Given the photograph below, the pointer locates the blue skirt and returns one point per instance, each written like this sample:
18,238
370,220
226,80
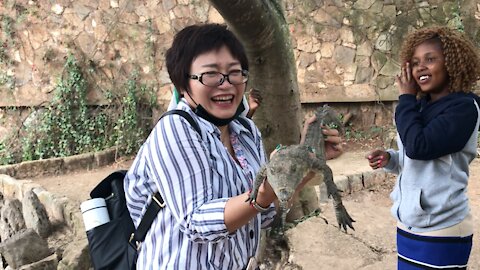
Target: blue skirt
429,252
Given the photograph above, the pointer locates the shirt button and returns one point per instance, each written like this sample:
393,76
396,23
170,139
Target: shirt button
251,234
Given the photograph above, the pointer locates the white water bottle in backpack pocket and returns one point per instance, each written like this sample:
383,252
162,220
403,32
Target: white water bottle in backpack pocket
94,213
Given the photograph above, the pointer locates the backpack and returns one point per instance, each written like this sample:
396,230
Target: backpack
114,245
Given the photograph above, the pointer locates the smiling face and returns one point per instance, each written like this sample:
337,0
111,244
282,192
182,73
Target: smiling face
429,70
220,101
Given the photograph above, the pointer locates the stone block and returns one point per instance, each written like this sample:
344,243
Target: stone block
356,182
35,214
24,248
377,178
31,169
10,186
76,256
53,205
49,263
105,157
11,219
8,170
343,184
79,162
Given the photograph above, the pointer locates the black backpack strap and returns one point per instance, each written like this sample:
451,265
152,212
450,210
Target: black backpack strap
185,115
194,124
245,123
157,202
155,206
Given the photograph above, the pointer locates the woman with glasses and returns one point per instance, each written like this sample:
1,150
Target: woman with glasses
204,178
251,101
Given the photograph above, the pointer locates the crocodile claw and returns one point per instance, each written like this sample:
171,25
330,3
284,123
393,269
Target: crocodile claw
343,218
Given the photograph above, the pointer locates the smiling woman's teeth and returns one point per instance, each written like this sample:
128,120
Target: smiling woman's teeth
423,78
223,99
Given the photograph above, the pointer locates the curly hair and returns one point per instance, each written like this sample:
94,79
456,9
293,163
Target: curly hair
462,59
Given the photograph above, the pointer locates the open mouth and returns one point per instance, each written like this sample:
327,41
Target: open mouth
227,99
424,78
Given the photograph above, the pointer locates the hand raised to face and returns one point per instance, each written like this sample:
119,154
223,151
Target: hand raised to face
406,83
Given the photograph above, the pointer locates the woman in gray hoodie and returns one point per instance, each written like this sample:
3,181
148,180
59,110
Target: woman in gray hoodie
437,119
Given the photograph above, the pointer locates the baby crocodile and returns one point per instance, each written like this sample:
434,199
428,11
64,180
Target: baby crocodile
287,168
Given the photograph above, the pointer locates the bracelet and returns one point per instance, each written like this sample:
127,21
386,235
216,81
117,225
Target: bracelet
257,207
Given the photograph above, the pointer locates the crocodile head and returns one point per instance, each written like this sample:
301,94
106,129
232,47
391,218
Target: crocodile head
287,169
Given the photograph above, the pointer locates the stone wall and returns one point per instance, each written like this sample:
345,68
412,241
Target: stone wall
346,51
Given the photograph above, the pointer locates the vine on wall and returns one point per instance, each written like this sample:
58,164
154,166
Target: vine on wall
69,126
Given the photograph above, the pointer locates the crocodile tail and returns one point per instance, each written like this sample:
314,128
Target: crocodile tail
314,137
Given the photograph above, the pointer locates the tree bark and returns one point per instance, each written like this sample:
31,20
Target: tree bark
262,28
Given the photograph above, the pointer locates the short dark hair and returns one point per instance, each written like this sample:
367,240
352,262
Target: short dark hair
194,40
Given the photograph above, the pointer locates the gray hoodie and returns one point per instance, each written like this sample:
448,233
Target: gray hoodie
437,141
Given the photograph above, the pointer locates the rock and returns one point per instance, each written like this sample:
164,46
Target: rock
11,219
24,248
49,263
76,256
35,214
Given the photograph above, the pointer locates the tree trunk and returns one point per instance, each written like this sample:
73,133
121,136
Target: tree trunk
263,30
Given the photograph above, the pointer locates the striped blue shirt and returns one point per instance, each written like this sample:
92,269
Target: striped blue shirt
195,175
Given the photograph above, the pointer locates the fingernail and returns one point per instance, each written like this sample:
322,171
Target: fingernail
278,147
379,161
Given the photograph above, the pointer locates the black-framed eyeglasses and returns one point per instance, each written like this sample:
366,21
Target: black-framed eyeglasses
214,78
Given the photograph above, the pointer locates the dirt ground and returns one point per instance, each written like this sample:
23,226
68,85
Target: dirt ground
314,244
317,245
77,185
